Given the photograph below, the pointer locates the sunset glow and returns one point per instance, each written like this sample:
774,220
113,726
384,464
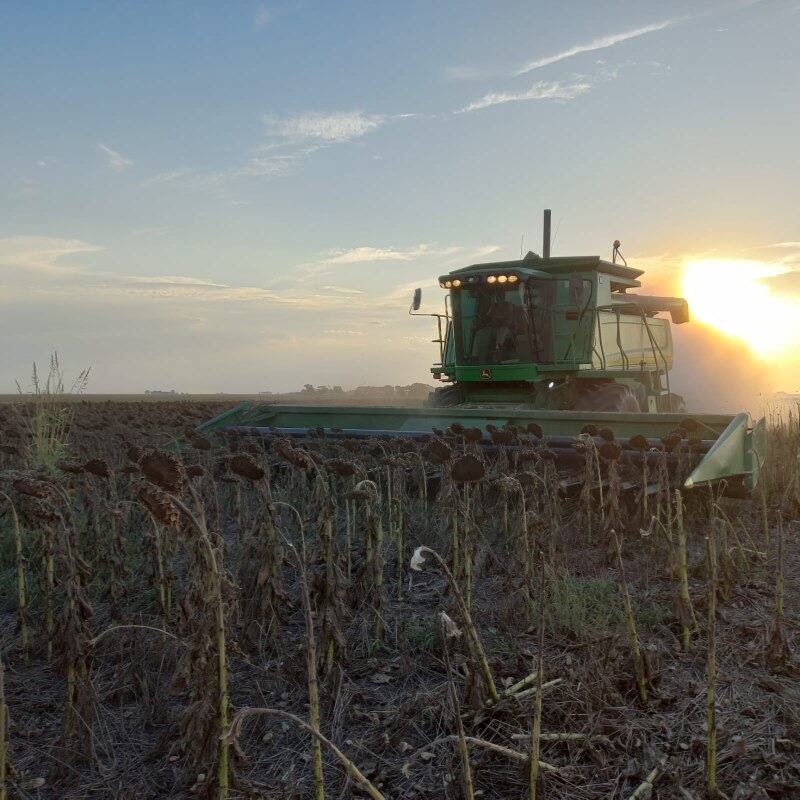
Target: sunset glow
734,296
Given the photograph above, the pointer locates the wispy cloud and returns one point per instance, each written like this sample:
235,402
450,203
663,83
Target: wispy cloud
341,126
114,159
290,142
39,269
371,255
467,72
42,253
542,90
262,18
342,290
601,43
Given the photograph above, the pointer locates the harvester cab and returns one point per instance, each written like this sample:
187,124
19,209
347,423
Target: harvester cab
537,355
556,333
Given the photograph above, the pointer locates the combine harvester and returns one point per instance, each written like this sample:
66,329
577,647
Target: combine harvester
536,352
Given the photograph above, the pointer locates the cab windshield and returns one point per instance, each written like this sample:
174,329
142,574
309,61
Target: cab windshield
506,325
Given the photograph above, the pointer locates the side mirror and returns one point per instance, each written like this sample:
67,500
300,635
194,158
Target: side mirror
680,312
416,301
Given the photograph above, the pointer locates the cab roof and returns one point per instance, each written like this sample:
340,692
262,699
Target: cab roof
556,266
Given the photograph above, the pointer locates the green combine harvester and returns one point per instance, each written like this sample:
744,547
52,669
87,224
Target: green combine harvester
545,349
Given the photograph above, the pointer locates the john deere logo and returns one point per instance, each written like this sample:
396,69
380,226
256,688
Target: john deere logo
486,374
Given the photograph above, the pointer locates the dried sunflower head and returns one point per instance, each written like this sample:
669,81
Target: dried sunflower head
32,488
43,512
639,442
201,443
134,454
194,470
589,429
606,433
473,435
296,457
73,467
158,503
440,451
341,467
535,429
97,467
246,466
467,469
502,436
610,451
164,470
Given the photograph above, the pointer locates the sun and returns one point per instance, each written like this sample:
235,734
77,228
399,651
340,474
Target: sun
733,297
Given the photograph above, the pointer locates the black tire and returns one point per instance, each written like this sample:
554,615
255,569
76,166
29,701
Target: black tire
444,397
609,397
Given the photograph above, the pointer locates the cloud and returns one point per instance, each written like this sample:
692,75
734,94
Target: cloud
600,43
341,126
114,160
291,141
262,18
42,253
37,263
786,283
542,90
173,280
205,333
342,290
371,255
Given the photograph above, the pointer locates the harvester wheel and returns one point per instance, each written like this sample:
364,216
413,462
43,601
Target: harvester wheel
444,397
608,397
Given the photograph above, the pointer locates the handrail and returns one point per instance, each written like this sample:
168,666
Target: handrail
654,345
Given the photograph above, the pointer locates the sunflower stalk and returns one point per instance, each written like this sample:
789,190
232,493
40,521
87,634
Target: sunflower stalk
22,595
630,623
466,618
447,629
684,601
312,678
3,739
712,793
198,523
778,648
536,729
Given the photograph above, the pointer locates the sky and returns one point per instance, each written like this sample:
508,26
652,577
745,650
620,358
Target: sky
241,197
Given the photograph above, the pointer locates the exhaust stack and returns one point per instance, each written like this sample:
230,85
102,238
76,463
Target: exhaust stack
546,236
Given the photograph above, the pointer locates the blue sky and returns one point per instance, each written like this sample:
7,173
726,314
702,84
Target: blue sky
240,196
